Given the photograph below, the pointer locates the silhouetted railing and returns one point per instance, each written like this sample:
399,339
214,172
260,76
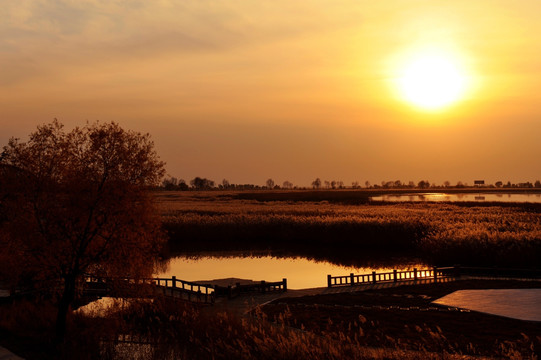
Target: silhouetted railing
431,274
394,276
176,288
170,287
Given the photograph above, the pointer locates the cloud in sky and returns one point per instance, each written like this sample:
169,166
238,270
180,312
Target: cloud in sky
229,82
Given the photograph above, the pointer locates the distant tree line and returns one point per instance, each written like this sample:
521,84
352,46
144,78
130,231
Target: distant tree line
200,183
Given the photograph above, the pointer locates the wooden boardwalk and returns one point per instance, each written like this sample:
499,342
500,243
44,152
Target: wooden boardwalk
241,297
242,305
195,292
169,287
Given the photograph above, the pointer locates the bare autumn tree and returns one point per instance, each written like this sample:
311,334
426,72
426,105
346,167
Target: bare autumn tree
287,185
78,204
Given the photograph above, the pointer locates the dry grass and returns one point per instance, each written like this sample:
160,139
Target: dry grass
189,333
441,234
164,329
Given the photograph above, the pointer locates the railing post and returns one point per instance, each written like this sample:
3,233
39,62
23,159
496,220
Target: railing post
263,286
415,274
329,280
435,269
351,279
173,282
284,281
395,278
373,277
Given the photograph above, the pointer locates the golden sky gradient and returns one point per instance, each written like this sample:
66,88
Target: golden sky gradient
291,90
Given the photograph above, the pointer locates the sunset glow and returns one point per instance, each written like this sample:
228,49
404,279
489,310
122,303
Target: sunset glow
432,82
246,91
269,179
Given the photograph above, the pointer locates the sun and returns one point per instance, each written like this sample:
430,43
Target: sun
432,81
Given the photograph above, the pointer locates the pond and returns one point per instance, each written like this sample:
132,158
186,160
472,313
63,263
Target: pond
473,197
520,304
300,272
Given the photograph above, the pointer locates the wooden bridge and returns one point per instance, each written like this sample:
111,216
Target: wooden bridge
434,274
129,287
174,288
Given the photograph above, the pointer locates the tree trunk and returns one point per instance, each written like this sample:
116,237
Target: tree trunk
64,307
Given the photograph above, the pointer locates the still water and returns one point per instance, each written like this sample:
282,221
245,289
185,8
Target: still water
520,304
301,273
489,197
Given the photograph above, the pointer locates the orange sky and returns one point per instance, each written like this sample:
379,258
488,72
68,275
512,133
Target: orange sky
247,90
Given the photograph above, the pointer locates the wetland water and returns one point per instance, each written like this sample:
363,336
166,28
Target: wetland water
479,197
300,272
520,304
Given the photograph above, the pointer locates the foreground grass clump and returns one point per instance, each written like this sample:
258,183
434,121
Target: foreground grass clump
321,327
437,233
404,317
166,330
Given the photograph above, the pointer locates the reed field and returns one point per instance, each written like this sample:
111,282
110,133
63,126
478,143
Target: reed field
487,234
163,329
341,229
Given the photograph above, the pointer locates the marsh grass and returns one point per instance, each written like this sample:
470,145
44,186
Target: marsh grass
436,233
186,332
165,329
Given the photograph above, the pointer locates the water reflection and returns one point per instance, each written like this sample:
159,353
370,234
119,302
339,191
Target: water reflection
101,306
474,197
300,272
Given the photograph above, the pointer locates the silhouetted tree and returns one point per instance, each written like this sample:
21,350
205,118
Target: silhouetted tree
316,184
446,184
225,184
201,183
287,185
182,185
367,184
498,184
423,184
170,183
269,183
80,205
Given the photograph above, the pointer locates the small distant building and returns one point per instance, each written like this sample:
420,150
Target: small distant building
479,182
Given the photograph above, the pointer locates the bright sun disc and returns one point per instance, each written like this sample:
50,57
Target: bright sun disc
432,82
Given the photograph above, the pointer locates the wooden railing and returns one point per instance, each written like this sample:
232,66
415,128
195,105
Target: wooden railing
394,276
435,273
176,288
171,287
